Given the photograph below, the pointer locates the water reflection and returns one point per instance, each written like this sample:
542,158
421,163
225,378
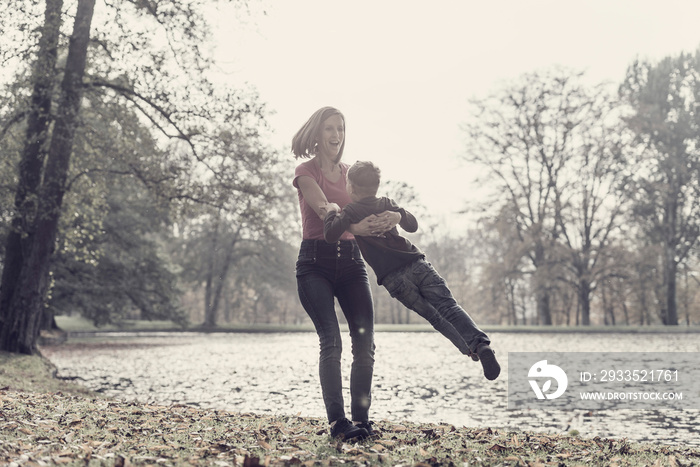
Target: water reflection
418,376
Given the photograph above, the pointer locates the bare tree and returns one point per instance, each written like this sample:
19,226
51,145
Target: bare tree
665,97
526,136
590,199
502,270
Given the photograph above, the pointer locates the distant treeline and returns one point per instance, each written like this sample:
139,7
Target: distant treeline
131,186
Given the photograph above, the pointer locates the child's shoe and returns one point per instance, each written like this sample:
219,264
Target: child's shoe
343,430
487,357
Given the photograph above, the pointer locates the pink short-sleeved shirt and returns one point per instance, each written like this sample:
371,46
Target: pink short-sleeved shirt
312,225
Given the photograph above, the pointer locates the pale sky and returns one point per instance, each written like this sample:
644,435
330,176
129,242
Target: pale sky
402,71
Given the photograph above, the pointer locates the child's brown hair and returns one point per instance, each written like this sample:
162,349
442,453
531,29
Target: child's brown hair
365,178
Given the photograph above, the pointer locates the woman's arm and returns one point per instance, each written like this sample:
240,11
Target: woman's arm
370,226
312,193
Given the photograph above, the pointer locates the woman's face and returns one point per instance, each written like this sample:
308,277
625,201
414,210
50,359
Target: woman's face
331,137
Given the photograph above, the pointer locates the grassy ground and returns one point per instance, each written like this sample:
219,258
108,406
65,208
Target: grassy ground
44,421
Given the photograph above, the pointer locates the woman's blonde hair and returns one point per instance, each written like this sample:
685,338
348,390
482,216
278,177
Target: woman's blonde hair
304,142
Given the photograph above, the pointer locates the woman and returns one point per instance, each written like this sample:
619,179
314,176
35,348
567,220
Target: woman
325,271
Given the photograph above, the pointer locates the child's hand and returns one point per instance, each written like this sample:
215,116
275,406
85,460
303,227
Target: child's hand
326,208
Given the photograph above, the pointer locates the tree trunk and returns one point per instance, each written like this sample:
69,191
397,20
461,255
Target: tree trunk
625,312
604,300
43,75
209,312
584,299
20,331
608,306
686,301
219,287
216,279
510,303
670,314
227,305
544,313
671,267
513,299
643,308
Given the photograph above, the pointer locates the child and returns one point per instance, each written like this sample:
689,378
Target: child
401,267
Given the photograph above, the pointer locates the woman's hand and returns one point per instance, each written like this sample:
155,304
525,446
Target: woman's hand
376,224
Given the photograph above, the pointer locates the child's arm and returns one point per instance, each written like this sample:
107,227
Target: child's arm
334,224
408,221
326,207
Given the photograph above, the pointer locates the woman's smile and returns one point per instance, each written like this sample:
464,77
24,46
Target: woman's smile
332,136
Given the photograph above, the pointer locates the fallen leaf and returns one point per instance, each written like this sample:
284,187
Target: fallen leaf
160,447
515,441
264,445
62,460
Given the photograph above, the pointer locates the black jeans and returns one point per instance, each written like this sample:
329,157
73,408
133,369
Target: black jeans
325,271
420,288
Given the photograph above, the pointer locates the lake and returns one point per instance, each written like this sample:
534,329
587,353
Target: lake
419,376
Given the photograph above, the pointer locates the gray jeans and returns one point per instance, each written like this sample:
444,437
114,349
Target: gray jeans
420,288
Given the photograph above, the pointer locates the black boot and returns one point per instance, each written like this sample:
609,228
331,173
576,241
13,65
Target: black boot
487,357
343,430
367,426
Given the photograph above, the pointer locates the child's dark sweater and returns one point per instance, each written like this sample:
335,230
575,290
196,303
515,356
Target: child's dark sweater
386,254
